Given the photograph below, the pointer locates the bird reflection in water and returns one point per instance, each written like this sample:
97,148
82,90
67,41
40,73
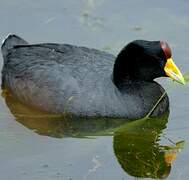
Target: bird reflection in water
138,149
59,125
136,144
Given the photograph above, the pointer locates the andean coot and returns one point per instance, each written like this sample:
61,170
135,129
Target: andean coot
61,78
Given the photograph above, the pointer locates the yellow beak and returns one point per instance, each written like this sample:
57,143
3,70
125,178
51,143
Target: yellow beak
173,72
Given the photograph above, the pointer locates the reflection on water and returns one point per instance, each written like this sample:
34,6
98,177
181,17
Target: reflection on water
60,125
137,149
136,144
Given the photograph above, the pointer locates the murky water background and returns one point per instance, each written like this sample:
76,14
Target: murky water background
25,153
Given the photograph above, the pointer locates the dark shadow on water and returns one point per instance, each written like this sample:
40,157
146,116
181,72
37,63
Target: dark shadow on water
59,126
136,144
138,151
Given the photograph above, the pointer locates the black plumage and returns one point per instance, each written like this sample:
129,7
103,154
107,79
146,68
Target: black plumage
83,81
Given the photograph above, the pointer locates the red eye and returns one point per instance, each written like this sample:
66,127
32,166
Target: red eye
166,49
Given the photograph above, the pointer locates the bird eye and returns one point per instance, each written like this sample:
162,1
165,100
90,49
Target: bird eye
162,63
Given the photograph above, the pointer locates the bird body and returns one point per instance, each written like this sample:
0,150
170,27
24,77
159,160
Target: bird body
61,78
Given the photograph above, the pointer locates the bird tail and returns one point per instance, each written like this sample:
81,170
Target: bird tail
9,42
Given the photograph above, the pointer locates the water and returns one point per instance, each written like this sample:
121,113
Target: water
36,147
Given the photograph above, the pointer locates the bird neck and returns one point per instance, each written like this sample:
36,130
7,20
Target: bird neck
124,70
